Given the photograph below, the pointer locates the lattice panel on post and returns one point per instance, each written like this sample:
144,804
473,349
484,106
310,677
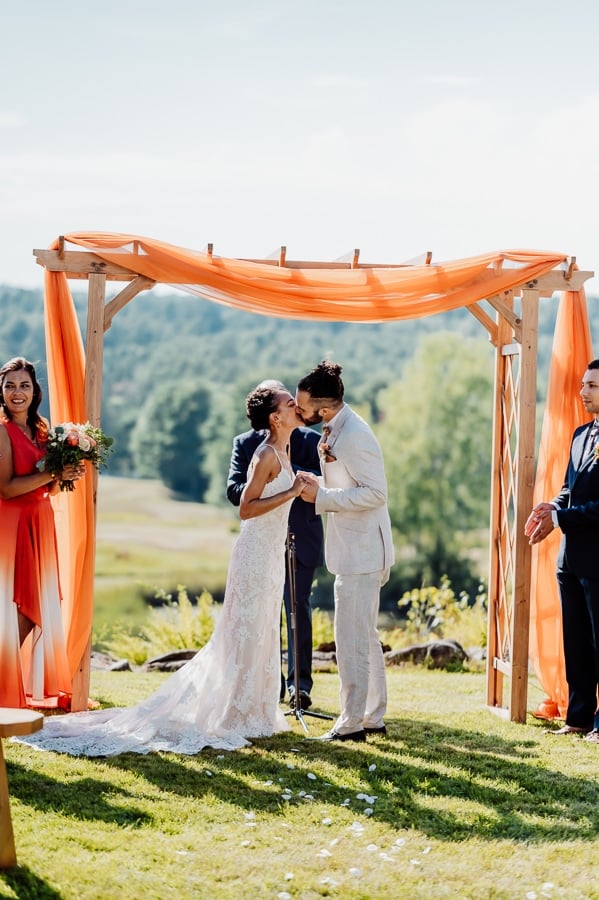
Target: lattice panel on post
503,594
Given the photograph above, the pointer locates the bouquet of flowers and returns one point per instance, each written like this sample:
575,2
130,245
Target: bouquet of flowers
70,443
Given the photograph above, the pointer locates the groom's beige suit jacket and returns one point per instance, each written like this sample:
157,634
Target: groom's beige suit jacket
354,496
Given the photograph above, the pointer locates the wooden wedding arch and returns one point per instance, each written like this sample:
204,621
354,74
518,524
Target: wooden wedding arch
502,290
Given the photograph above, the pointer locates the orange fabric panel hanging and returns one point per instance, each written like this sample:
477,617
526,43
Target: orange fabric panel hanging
572,350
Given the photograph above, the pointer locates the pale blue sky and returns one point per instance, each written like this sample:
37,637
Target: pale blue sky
396,127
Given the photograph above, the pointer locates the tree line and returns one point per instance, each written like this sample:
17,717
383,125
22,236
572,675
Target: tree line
177,369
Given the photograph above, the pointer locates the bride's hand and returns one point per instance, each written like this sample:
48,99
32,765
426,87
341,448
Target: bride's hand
298,484
310,489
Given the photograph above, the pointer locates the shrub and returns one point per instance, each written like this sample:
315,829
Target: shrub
176,625
435,612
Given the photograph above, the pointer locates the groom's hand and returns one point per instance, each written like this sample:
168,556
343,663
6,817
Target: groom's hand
310,487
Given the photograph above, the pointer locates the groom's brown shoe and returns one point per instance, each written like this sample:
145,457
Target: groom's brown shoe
382,729
333,735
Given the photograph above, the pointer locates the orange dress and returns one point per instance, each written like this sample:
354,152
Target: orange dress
36,674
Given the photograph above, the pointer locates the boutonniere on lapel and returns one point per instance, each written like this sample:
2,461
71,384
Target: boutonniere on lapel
596,453
324,448
324,451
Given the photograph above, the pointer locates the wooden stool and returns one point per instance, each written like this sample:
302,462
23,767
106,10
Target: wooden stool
12,722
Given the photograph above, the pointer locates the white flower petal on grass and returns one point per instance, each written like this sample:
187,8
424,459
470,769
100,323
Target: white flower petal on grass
415,862
368,811
182,852
334,842
311,776
251,824
327,821
208,773
250,815
372,847
372,767
356,827
324,853
355,872
346,802
531,895
427,849
222,756
267,783
308,797
547,886
360,796
290,766
289,876
285,796
245,843
400,842
283,895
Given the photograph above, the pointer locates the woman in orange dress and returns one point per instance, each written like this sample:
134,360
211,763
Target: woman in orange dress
33,663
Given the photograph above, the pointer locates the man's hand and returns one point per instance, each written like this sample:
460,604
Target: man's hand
310,487
539,523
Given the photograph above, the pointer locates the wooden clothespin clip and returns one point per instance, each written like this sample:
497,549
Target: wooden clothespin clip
429,257
354,263
61,246
571,264
282,256
209,251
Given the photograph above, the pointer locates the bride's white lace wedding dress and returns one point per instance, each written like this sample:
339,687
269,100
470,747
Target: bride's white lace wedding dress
229,691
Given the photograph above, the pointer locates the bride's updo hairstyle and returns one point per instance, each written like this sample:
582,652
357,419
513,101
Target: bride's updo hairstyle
259,404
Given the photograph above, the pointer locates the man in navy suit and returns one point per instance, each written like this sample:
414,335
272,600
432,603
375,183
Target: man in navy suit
308,531
576,511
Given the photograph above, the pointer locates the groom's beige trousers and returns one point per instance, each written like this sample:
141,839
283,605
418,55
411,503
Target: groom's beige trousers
363,693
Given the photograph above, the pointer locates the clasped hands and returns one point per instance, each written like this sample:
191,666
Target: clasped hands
539,523
305,485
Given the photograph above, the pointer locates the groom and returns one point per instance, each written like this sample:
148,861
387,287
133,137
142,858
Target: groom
358,546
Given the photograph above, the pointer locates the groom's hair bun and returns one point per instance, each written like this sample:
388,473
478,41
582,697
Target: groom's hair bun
324,382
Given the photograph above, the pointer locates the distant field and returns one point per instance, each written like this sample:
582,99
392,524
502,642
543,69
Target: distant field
146,540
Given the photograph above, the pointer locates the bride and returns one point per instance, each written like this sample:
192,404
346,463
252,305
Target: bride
229,691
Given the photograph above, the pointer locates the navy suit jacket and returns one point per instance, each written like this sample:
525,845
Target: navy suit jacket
578,511
303,520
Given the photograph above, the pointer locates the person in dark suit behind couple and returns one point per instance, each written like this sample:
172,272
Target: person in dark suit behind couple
576,511
308,531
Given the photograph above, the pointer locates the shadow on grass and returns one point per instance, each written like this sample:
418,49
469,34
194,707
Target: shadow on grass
454,784
25,885
448,782
81,798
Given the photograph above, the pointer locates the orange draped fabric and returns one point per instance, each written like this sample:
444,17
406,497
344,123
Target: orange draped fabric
73,510
572,350
347,295
363,294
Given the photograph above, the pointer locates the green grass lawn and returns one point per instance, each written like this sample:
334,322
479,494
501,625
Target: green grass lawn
455,803
146,540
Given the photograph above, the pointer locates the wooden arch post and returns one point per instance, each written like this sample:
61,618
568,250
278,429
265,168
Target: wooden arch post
514,335
82,265
512,485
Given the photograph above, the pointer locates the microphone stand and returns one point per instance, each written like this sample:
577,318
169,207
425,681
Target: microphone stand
297,711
